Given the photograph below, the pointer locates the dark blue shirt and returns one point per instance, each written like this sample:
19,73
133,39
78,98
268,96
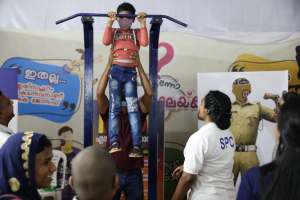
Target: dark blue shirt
249,188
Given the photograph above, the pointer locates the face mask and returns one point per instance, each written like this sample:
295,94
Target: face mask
125,22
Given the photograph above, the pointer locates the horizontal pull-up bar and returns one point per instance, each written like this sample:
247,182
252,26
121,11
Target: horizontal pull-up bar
119,15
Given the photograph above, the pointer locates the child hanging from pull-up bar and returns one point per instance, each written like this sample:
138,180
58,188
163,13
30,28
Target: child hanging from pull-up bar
122,76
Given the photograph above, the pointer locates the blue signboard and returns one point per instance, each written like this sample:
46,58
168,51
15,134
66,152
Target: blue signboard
46,90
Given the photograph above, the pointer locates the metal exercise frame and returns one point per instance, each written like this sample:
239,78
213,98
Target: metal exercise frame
156,21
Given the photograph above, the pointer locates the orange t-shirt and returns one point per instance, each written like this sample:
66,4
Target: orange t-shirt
124,43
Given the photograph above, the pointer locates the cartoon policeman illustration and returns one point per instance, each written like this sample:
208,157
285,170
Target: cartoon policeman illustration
245,120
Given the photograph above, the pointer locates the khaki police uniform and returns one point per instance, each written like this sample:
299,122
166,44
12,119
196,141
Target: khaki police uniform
244,125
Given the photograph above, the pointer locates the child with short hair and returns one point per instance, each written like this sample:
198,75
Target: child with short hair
126,42
94,174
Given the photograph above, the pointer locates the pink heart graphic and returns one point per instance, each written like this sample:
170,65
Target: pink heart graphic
166,59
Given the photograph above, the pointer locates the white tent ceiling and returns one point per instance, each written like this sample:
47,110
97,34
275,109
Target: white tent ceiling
236,21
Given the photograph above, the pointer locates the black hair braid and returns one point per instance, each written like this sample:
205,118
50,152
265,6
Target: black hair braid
216,105
219,106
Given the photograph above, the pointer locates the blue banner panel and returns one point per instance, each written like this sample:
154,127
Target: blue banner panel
9,82
47,91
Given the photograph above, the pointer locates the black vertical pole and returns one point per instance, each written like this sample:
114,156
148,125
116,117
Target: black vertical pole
88,79
153,56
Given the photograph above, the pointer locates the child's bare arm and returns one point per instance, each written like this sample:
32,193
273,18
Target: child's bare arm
109,33
141,18
143,34
111,19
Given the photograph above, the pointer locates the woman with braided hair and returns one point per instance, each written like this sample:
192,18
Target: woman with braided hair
207,169
279,179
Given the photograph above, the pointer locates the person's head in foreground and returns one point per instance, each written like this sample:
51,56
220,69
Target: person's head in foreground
25,165
280,179
6,109
216,107
279,103
285,96
94,174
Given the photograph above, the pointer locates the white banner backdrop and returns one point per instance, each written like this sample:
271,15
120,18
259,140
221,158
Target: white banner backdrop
181,56
235,21
275,83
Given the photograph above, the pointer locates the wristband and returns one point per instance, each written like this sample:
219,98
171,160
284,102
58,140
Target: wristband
275,98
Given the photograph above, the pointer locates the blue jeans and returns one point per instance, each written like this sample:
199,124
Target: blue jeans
131,182
119,78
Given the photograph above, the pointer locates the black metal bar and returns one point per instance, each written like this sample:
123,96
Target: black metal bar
119,15
88,79
153,72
